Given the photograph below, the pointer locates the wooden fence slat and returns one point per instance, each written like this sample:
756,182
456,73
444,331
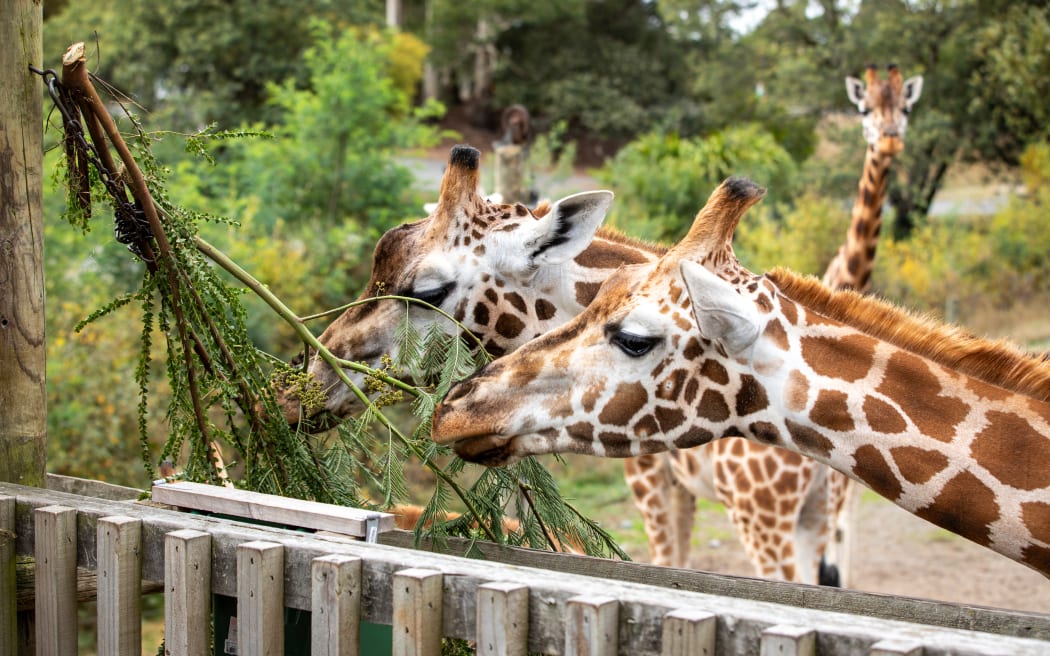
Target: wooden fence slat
55,546
8,585
260,598
418,615
689,632
785,640
335,611
119,572
187,592
592,626
502,619
892,647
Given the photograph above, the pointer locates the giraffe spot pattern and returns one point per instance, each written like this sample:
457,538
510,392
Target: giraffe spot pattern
515,299
808,440
609,256
695,436
481,314
765,432
775,332
764,304
934,415
590,397
882,416
1036,556
996,448
714,371
789,311
831,411
671,387
871,467
964,491
751,397
796,391
918,465
1036,516
646,426
582,431
669,419
509,326
628,399
692,349
713,406
492,296
544,309
586,291
846,358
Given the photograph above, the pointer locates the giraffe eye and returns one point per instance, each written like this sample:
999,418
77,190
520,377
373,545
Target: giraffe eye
633,345
435,296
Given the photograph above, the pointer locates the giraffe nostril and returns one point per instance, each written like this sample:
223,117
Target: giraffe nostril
459,390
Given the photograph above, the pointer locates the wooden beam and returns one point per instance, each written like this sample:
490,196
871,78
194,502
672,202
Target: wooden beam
23,398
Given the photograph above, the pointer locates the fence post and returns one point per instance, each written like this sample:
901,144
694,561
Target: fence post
23,421
592,627
335,608
784,640
187,592
689,632
260,598
418,612
119,571
502,619
8,585
55,547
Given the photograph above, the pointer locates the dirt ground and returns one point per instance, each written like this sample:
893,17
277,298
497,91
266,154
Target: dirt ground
898,553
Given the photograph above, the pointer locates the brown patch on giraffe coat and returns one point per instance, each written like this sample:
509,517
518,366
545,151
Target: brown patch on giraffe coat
544,309
775,332
515,299
809,440
669,418
590,397
788,310
918,465
609,255
582,431
882,416
713,406
586,291
751,397
765,432
909,382
628,399
509,326
986,391
1036,516
481,314
646,426
671,387
492,296
796,391
714,371
965,506
998,445
831,411
847,358
1036,556
754,467
786,483
872,468
695,436
479,250
764,304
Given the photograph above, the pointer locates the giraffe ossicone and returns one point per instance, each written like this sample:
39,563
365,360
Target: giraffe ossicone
695,347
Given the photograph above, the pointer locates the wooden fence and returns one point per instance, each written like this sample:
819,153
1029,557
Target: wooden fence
505,608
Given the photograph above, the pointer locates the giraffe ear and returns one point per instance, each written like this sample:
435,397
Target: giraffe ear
567,229
912,90
855,91
722,314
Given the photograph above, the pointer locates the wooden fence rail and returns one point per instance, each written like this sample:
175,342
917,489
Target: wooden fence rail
423,596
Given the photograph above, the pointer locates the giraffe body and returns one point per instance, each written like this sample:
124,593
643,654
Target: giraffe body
477,261
694,348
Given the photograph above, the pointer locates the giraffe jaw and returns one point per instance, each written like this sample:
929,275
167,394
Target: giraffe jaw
487,450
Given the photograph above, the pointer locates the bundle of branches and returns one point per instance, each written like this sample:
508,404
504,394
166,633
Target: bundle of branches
222,385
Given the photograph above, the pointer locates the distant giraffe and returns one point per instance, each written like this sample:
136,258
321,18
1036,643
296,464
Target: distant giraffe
510,274
695,347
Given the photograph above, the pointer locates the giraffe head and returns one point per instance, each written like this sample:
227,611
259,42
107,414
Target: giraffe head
885,105
632,374
494,267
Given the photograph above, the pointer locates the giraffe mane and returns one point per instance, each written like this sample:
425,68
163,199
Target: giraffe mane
997,362
614,235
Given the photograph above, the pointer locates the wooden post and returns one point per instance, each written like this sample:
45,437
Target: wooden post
187,592
510,173
119,571
23,400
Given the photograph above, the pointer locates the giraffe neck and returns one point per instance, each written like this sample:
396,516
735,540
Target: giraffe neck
852,266
947,446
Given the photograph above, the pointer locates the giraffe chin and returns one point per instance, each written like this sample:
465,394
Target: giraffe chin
487,450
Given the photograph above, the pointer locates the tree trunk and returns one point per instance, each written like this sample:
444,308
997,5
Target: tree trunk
23,400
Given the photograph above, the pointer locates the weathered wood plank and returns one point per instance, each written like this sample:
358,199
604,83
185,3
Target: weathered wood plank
335,620
642,607
260,590
785,640
592,626
119,574
91,488
689,632
187,593
502,623
56,580
270,508
8,582
417,612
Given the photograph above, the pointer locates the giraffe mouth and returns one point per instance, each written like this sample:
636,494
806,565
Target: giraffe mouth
487,450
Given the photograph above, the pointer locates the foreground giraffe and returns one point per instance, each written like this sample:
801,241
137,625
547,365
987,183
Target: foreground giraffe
508,276
952,428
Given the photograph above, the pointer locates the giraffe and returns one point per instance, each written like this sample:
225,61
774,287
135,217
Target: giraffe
694,347
885,106
508,275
